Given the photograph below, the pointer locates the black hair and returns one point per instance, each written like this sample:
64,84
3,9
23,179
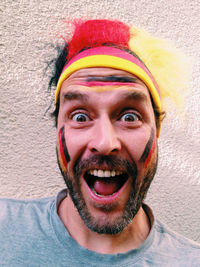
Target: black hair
58,65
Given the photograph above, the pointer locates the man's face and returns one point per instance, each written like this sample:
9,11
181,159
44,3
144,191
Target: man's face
106,145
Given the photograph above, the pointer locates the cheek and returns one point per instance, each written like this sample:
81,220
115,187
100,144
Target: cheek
150,150
63,154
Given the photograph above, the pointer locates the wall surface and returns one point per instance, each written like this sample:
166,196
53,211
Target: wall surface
28,167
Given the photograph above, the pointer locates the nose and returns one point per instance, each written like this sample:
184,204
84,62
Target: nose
104,138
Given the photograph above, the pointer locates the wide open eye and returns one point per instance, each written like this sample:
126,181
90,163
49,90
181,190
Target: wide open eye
130,117
80,117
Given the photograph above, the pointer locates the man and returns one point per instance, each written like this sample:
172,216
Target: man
108,109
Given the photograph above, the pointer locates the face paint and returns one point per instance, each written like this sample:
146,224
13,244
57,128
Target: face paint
64,157
112,78
99,83
99,86
149,149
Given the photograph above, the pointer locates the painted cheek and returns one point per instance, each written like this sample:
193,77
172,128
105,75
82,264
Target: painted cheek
63,154
149,149
151,154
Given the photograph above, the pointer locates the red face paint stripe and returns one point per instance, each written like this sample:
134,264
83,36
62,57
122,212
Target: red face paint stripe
96,83
150,152
62,166
61,149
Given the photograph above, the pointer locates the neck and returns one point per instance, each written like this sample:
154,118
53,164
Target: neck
131,237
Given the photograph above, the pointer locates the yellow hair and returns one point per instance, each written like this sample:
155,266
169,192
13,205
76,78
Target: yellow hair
167,64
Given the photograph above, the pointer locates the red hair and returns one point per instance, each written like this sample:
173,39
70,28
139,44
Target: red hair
94,33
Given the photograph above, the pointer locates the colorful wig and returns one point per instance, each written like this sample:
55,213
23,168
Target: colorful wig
105,43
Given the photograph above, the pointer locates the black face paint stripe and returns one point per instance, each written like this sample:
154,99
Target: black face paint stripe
64,144
112,78
147,147
59,163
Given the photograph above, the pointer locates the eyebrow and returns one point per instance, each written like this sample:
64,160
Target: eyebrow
139,96
112,78
136,96
75,96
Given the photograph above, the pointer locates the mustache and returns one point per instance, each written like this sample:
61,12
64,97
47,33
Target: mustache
109,161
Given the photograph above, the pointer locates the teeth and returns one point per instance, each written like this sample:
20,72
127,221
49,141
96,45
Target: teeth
95,172
104,173
107,174
100,173
113,173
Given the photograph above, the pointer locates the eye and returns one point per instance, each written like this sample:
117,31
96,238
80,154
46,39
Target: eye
130,117
80,117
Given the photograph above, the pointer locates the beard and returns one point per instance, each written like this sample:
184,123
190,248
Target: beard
134,202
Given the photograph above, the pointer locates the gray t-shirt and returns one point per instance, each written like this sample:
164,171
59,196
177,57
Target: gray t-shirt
32,234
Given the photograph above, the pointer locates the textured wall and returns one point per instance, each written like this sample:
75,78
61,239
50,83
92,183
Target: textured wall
28,165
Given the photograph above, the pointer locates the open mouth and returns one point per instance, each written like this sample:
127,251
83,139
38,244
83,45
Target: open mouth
105,182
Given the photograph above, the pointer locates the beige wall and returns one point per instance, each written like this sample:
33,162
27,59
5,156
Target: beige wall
28,165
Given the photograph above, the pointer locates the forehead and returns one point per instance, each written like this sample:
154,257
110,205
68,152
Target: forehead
103,79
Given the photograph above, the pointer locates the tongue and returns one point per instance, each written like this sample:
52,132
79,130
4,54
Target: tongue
105,188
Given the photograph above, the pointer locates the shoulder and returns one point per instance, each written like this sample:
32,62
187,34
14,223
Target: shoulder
26,231
176,246
174,237
13,210
10,202
21,220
